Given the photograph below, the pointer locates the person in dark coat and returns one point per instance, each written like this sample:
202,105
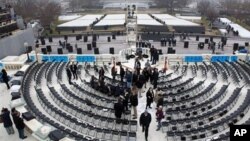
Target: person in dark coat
119,109
118,91
159,101
73,69
69,75
19,123
113,72
134,100
150,97
145,120
155,77
152,52
138,66
122,73
92,81
134,78
5,78
7,123
126,98
139,84
145,73
154,56
159,116
101,72
128,78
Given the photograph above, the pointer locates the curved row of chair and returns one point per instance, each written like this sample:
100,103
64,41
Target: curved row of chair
215,127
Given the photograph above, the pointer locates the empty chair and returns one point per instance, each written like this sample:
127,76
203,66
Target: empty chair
133,126
132,136
123,136
107,134
115,135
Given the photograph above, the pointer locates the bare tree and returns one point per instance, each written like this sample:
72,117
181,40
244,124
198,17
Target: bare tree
48,12
74,4
212,14
203,6
171,5
44,10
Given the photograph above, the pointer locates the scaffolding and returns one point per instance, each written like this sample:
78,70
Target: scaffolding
131,26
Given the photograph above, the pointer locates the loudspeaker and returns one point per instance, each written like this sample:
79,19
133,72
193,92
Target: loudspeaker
94,44
186,43
197,38
236,46
79,51
246,44
89,47
60,51
206,41
96,51
65,37
85,38
50,39
70,49
111,50
159,51
44,50
94,38
113,37
143,44
171,51
109,39
43,42
211,39
49,49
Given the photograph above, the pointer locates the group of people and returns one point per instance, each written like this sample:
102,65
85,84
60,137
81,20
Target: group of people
8,124
136,82
169,41
71,70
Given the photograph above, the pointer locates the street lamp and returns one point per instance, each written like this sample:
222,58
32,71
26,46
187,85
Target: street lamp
26,45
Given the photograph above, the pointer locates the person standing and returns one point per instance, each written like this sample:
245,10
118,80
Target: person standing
113,72
155,55
5,78
145,120
128,78
69,75
147,64
146,76
152,52
7,123
122,73
159,116
137,66
155,77
101,72
134,100
73,69
157,94
19,123
119,109
150,97
139,84
126,98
